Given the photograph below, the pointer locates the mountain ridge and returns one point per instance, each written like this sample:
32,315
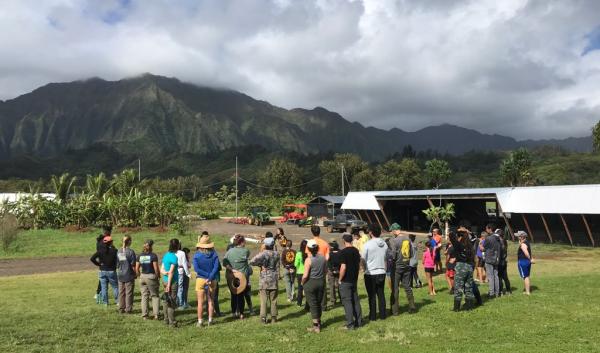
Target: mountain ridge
152,115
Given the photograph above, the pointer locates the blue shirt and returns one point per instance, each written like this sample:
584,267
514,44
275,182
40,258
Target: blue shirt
170,259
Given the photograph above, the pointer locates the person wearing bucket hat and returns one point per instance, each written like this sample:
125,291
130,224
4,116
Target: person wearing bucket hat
206,265
268,260
238,272
525,259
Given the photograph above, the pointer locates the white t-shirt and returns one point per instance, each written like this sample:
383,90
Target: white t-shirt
183,264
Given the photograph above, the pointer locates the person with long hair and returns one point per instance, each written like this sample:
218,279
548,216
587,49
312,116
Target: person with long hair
236,259
183,277
463,277
206,265
170,280
414,263
126,275
105,258
146,268
429,265
313,280
503,268
106,231
299,265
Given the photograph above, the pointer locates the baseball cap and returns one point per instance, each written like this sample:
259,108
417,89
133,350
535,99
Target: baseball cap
395,226
269,241
311,244
521,234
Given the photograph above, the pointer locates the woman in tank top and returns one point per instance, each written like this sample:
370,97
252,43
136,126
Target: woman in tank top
315,269
525,259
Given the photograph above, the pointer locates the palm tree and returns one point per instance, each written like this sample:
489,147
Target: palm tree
97,185
62,186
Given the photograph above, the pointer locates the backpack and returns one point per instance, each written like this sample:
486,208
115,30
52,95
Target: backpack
492,250
405,252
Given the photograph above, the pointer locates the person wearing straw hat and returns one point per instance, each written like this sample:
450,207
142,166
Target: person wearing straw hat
206,265
238,272
268,261
525,259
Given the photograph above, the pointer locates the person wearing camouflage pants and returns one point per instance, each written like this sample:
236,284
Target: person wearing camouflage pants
268,261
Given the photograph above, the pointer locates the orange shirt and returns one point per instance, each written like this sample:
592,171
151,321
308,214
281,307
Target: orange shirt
437,238
323,247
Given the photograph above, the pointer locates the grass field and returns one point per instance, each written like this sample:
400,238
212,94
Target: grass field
58,242
56,313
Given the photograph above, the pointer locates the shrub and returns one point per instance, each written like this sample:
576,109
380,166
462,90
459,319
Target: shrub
8,230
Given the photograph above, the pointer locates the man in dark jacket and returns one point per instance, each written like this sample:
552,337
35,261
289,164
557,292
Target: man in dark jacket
333,272
401,251
106,259
493,250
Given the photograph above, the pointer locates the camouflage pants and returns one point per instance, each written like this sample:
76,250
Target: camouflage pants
463,281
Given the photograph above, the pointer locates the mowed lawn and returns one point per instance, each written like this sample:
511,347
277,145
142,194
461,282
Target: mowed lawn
56,313
58,242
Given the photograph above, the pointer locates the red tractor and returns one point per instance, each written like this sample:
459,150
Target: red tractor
293,213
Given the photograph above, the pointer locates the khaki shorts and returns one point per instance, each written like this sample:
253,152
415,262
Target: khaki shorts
201,285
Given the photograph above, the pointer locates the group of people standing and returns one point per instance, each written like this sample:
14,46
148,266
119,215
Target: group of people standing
307,273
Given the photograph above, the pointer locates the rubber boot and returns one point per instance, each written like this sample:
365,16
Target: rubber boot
469,304
411,304
456,305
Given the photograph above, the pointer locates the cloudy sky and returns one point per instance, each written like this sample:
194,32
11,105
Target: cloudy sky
527,69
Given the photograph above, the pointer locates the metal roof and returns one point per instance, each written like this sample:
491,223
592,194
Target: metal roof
330,199
568,199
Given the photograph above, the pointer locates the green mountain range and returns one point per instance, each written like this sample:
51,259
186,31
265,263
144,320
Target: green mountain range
84,125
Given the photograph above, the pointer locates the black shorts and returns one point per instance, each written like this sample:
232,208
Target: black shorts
480,262
429,270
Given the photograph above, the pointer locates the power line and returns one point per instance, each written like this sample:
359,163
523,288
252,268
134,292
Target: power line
286,187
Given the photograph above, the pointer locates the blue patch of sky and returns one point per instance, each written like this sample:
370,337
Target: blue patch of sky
593,41
117,14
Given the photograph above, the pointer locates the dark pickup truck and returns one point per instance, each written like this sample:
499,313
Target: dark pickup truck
344,223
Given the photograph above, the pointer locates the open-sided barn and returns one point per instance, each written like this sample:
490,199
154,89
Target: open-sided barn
563,214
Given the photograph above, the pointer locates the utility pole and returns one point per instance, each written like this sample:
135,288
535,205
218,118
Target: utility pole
236,187
139,170
343,180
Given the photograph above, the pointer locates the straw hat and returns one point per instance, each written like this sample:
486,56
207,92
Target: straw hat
204,242
236,281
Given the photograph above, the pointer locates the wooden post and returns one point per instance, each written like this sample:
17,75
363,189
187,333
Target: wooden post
589,231
512,233
383,213
378,221
566,228
359,216
547,229
369,217
527,226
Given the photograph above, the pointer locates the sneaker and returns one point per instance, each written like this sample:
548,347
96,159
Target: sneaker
199,324
264,320
209,322
273,320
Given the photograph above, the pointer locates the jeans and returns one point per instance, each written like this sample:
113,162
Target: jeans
300,294
493,280
288,279
414,277
183,285
351,302
105,278
375,285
